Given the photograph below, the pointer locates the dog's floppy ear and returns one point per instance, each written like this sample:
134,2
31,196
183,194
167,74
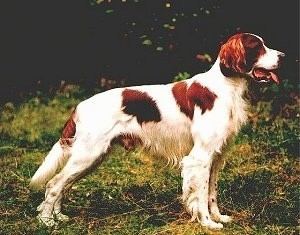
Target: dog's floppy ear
232,56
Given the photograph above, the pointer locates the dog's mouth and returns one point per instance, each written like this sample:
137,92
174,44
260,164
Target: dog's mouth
265,75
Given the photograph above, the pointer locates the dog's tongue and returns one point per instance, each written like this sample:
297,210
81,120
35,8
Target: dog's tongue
274,77
263,74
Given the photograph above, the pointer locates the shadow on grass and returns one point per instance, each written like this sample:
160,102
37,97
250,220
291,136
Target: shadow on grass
157,207
270,199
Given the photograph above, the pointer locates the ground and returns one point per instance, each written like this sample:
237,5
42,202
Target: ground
131,193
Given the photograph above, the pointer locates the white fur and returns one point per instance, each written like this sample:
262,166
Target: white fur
195,143
270,59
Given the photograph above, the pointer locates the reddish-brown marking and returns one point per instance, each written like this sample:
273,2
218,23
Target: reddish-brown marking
140,105
128,141
240,53
196,94
254,48
69,130
201,96
179,91
232,54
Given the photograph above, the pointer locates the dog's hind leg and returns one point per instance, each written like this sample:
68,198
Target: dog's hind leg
57,208
83,157
58,215
217,164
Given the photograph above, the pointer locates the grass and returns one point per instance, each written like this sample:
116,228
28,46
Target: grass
133,194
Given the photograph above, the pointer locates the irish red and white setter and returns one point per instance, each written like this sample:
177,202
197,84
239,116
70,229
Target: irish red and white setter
186,122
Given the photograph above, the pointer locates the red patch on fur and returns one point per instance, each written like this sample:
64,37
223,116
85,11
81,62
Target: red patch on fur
128,141
140,105
201,96
232,54
69,130
196,94
240,53
179,91
254,48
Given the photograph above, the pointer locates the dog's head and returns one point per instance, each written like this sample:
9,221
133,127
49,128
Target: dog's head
246,53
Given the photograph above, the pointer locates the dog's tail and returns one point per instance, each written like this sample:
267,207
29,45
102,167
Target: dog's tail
55,159
58,155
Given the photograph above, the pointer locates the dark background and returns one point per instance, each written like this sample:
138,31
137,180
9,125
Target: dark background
44,42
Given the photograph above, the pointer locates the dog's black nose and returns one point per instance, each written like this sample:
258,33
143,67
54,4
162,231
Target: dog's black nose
281,54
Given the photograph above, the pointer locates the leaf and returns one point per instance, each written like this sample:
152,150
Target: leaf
147,42
109,11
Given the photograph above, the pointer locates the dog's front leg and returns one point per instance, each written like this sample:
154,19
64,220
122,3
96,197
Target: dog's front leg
217,164
195,173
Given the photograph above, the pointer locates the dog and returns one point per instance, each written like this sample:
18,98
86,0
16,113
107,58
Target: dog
186,122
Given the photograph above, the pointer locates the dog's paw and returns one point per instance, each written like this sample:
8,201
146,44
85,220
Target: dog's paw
211,224
222,218
48,221
225,219
61,217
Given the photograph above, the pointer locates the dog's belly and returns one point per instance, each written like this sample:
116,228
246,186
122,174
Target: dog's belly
167,140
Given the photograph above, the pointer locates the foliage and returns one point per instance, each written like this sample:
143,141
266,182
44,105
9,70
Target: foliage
139,42
181,76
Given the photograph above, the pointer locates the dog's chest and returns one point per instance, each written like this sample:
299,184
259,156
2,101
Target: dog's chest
238,112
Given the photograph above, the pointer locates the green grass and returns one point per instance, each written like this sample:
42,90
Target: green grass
131,193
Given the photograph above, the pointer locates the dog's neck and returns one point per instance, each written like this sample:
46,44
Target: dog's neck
217,79
233,89
236,80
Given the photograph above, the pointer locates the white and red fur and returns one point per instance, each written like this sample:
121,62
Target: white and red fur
186,122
